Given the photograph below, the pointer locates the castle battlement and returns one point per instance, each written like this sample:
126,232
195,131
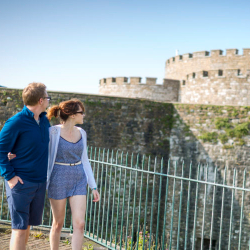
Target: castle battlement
208,54
204,77
179,66
132,87
212,74
129,81
229,87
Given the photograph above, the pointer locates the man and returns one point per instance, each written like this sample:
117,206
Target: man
26,135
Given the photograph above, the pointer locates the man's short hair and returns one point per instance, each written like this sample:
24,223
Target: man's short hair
33,92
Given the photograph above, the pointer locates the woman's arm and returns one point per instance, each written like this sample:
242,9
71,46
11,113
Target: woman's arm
88,169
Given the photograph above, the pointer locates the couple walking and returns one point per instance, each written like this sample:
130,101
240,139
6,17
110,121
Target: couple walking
45,157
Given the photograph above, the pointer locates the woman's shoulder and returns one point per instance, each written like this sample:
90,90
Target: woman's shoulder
81,130
54,129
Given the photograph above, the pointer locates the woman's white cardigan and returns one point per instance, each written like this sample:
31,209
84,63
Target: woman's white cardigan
54,134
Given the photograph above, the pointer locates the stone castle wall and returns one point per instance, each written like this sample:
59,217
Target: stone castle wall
145,126
120,86
228,89
115,123
201,77
180,66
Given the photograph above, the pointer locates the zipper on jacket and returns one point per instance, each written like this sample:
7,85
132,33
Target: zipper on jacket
40,128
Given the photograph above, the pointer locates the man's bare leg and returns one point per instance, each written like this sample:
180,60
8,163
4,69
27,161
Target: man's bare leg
27,235
17,241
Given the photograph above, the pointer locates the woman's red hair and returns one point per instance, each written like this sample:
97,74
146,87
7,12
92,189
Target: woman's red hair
65,109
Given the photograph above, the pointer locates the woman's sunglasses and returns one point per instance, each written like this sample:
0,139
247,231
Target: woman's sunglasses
80,112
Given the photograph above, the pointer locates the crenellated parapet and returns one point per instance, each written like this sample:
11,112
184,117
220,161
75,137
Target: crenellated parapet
207,54
132,87
127,80
235,74
204,77
179,66
220,87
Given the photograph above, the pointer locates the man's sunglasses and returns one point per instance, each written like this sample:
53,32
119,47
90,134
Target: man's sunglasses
47,97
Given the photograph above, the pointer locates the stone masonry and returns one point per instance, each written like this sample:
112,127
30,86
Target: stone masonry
228,89
120,86
180,66
201,77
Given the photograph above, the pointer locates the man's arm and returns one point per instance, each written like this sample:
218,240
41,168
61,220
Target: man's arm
8,137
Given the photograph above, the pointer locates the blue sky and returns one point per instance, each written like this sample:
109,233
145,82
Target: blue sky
70,45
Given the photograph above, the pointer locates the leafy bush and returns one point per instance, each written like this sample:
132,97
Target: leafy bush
223,138
230,132
228,146
239,130
222,123
240,142
209,137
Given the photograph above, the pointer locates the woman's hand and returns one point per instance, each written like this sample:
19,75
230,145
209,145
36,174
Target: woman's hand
96,195
11,156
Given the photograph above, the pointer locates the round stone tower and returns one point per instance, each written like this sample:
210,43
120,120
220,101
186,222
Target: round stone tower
211,77
201,77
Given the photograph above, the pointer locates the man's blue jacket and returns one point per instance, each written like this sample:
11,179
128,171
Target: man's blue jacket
22,136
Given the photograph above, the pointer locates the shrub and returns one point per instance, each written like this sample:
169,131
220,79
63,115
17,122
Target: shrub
230,132
223,138
222,123
209,137
241,129
240,142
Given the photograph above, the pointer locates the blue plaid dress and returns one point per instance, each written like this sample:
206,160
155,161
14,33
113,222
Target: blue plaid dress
67,181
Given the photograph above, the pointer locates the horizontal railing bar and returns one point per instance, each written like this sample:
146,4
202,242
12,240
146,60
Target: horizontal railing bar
100,243
63,229
41,226
173,176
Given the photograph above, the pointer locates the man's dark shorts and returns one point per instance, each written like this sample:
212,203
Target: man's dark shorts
26,202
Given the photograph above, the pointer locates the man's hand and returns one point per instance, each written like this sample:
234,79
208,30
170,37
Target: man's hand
96,195
12,182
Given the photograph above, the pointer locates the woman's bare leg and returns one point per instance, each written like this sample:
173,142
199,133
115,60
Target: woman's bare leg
78,208
58,211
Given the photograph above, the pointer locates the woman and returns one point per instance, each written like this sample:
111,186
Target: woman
69,171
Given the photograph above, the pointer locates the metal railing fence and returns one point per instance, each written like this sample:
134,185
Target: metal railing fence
152,204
